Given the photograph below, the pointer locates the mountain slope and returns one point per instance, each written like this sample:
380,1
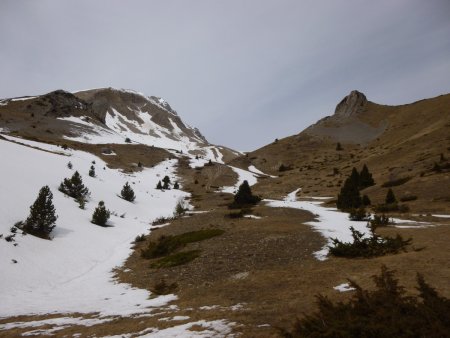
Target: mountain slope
106,115
394,141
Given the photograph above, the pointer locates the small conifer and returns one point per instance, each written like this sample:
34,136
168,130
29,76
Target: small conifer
92,171
69,165
365,178
390,197
42,218
100,215
339,146
176,185
159,186
74,187
244,195
366,200
127,193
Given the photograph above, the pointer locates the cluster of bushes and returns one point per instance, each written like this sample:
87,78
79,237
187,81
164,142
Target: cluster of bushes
166,247
384,312
368,246
165,185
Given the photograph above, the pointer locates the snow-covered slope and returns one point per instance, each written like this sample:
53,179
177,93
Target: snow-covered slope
72,272
107,115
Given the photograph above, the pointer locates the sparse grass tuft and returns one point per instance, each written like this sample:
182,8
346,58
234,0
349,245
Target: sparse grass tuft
176,259
396,182
168,244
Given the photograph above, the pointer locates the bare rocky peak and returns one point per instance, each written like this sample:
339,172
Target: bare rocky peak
350,105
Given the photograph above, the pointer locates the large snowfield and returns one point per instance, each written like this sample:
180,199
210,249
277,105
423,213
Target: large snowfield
73,272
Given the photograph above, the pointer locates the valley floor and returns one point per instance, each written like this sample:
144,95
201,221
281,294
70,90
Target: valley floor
251,281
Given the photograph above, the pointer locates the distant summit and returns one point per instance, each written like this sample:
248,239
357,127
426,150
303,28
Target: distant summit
351,104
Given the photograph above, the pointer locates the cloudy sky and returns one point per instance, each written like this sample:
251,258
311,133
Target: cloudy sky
243,71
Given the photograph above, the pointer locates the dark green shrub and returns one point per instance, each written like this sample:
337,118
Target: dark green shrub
100,215
384,312
139,238
176,259
163,288
339,147
378,221
366,247
159,186
168,244
359,214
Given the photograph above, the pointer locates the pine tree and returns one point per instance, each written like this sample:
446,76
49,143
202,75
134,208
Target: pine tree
339,146
176,185
42,218
166,186
390,197
244,195
74,187
159,186
100,215
92,171
127,193
365,178
349,197
69,165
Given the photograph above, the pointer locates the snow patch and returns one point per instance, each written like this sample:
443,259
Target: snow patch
243,175
73,272
344,287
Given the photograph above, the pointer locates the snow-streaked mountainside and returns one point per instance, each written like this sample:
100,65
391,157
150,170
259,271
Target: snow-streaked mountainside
107,115
72,272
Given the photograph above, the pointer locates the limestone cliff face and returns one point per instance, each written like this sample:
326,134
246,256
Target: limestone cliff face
351,104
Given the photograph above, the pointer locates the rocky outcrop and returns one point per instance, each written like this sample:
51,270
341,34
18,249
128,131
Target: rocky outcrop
350,105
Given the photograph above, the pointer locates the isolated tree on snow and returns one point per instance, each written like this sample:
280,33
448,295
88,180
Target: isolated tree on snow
390,197
166,179
74,187
42,216
127,193
159,186
365,178
176,185
69,165
244,195
92,171
100,215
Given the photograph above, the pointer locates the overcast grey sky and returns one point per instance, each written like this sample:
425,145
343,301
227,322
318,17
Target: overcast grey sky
243,72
